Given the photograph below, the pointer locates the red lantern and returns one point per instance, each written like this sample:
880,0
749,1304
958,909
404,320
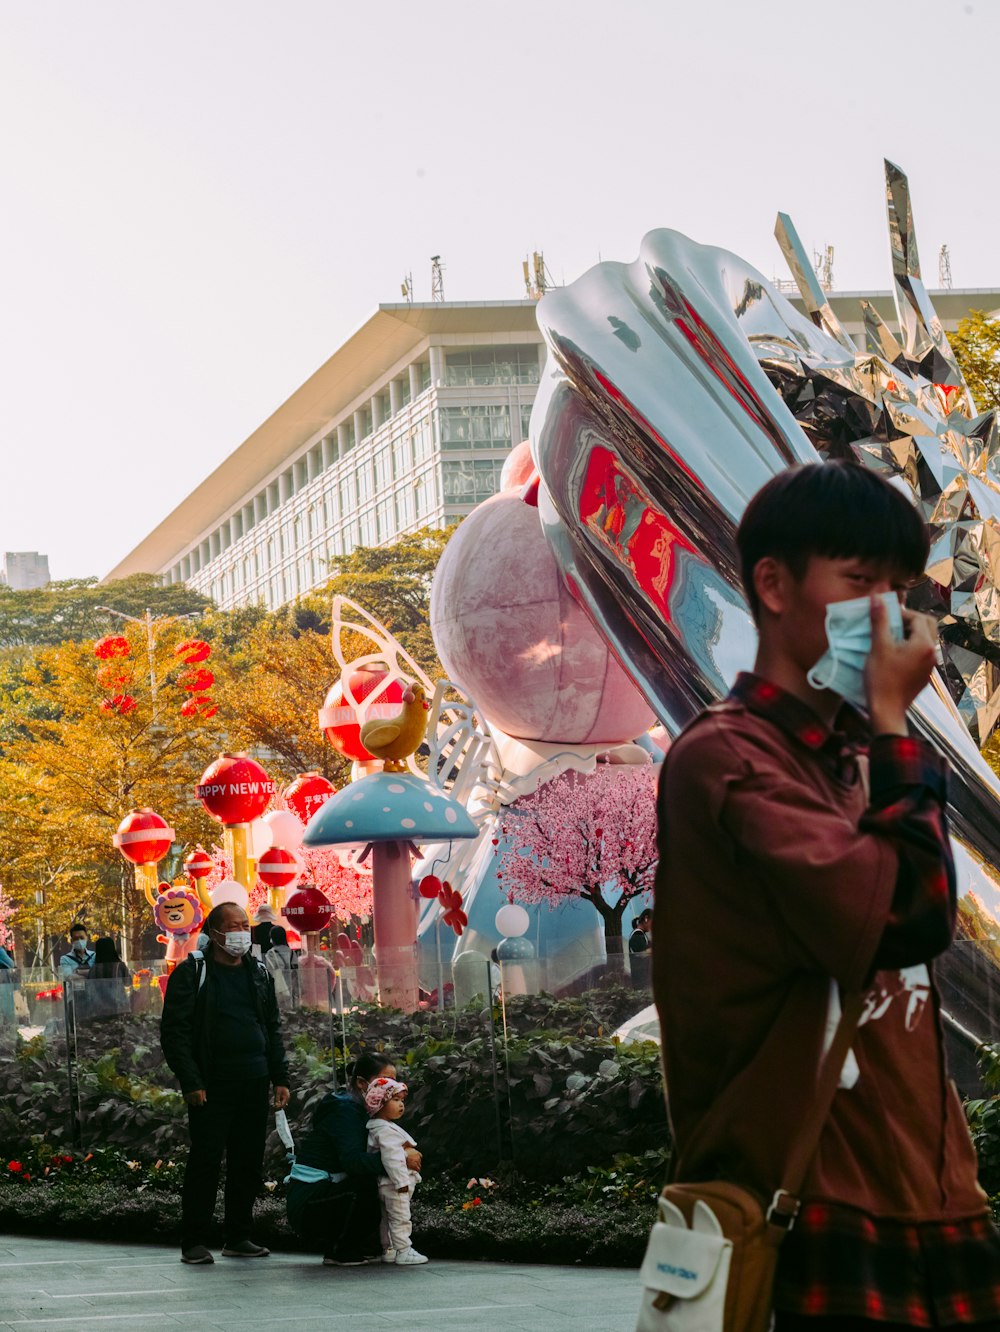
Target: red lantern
307,793
235,789
195,680
278,868
111,645
112,675
308,910
143,837
193,651
199,707
199,863
121,703
430,886
339,720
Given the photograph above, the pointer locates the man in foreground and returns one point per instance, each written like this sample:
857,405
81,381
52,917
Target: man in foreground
788,877
221,1037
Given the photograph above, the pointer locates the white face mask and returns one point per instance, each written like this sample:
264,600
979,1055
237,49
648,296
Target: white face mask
80,945
849,643
236,942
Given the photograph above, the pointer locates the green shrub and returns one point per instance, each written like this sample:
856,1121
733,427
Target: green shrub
566,1096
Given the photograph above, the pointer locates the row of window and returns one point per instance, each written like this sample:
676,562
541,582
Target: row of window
248,578
482,427
470,480
493,365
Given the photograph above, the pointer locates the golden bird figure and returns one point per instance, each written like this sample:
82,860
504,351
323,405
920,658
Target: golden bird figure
394,739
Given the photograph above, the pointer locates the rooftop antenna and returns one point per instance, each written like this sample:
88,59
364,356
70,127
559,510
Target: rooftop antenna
537,279
823,264
437,278
406,286
944,269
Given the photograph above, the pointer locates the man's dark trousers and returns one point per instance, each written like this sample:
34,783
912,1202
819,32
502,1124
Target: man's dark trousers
233,1121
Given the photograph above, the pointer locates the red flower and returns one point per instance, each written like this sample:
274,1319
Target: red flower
477,1202
66,1160
15,1167
27,1178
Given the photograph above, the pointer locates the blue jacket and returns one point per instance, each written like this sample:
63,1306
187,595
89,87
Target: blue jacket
71,962
338,1139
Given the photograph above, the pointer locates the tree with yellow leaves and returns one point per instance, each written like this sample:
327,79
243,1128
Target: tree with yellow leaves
70,770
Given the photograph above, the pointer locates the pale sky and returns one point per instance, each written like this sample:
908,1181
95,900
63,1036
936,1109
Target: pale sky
201,200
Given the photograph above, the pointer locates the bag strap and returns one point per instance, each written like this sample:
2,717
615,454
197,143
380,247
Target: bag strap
784,1205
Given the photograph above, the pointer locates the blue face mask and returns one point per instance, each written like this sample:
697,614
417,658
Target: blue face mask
849,643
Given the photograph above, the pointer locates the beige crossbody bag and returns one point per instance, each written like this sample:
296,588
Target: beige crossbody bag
712,1254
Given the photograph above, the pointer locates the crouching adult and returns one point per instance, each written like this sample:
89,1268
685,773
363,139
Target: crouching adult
221,1036
333,1189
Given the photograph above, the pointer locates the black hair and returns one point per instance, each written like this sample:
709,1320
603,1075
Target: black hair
105,951
367,1066
214,917
77,925
839,510
643,915
279,935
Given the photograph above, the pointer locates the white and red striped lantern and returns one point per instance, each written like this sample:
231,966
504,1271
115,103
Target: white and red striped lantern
339,719
143,837
307,793
278,868
199,863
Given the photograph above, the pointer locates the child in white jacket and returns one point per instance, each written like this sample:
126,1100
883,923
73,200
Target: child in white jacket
385,1104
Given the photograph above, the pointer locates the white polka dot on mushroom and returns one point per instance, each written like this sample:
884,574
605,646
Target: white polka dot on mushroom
429,807
396,789
408,823
451,815
348,823
385,809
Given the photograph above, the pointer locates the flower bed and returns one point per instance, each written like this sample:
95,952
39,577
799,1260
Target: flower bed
601,1216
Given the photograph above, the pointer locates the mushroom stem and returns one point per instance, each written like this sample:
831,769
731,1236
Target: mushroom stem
395,917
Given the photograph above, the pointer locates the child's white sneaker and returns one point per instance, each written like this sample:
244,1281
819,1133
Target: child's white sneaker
409,1257
389,1255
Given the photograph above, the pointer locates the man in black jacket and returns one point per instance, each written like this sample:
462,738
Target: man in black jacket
221,1036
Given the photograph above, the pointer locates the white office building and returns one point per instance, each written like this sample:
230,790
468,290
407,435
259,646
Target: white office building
406,426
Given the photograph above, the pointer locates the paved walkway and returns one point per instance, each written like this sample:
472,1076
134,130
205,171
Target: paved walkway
77,1284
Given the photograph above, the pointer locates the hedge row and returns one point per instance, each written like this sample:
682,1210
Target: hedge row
561,1096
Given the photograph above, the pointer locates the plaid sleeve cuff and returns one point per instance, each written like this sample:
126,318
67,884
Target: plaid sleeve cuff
900,761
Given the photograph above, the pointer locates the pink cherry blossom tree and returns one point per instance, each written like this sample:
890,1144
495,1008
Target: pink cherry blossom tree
348,891
591,836
7,909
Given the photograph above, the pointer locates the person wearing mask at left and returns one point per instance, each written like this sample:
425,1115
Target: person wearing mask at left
76,964
221,1036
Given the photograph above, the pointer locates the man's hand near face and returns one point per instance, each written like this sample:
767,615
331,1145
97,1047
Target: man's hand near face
196,1097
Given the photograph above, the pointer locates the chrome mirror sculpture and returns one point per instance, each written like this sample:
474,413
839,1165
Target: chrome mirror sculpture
677,385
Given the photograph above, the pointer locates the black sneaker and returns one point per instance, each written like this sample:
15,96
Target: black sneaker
245,1249
197,1254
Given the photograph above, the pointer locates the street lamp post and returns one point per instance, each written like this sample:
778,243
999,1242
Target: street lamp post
148,621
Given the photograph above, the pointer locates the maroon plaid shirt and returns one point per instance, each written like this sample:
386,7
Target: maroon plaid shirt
838,1262
907,791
